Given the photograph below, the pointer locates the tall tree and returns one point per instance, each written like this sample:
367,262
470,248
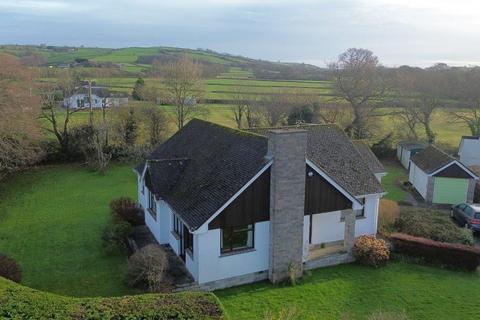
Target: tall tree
57,119
19,108
468,92
137,92
184,88
358,80
156,122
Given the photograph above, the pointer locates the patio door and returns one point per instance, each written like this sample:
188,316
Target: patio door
183,242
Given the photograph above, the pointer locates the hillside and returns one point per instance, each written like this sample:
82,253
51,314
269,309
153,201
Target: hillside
138,60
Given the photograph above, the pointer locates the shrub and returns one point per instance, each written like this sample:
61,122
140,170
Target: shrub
388,214
431,224
19,302
146,267
125,209
115,236
9,268
449,254
371,251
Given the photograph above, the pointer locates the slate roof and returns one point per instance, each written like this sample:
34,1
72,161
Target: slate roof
370,158
431,159
203,165
410,145
217,162
330,149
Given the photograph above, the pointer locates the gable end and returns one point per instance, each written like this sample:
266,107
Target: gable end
453,171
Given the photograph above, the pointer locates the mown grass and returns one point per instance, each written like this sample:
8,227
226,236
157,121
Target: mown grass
51,220
391,182
354,292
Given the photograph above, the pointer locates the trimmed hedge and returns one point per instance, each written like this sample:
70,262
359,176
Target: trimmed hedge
19,302
431,224
450,254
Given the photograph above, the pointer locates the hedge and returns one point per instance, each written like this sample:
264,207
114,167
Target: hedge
19,302
450,254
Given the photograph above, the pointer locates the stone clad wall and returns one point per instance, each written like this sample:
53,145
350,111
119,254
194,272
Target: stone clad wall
287,201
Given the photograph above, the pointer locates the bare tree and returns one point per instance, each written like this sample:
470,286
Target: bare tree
239,105
57,120
156,122
468,92
359,82
184,88
421,92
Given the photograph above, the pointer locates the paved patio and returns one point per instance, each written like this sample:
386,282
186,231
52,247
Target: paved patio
177,277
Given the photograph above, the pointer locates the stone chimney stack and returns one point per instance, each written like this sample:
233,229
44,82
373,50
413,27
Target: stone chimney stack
287,148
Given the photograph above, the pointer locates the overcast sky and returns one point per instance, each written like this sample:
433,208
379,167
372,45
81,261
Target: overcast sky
419,32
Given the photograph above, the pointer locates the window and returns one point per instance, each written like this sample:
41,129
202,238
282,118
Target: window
189,242
177,225
236,238
152,205
360,213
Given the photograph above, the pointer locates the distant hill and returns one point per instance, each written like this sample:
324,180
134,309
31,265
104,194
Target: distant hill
138,60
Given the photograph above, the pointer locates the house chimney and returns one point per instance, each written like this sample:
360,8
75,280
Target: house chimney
287,148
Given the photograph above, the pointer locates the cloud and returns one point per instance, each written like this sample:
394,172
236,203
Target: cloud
398,31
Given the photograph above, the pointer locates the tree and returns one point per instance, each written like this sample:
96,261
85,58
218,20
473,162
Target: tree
240,104
184,88
358,81
421,92
137,92
303,114
58,120
156,122
126,125
19,108
468,92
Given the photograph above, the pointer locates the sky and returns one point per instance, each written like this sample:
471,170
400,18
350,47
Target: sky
421,32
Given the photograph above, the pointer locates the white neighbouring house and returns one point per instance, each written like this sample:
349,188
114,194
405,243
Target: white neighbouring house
100,97
240,206
469,151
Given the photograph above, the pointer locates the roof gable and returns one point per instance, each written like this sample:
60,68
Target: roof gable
431,159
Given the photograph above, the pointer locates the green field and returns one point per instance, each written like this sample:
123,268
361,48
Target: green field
51,220
354,292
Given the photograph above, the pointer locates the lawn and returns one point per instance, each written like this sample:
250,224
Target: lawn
51,220
354,292
391,182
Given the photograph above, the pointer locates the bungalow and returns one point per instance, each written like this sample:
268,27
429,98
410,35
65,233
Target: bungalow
469,151
406,150
440,178
371,159
241,206
100,97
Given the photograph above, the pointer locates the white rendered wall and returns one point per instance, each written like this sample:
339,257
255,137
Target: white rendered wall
418,179
405,158
470,152
161,226
212,266
329,227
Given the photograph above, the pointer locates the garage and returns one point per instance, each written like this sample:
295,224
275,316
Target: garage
450,190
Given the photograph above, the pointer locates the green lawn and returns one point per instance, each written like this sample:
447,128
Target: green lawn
391,182
354,292
51,222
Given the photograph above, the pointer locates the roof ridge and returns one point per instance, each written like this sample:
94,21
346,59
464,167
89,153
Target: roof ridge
296,126
221,126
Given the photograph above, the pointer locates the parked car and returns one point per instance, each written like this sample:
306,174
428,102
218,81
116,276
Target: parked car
467,215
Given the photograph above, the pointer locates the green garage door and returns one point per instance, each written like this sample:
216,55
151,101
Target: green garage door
450,190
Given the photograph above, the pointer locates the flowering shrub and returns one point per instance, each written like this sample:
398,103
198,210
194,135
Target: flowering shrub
371,251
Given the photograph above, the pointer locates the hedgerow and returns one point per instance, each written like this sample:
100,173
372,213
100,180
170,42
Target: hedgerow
19,302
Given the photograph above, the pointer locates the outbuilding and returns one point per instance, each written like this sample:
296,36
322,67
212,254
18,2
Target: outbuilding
439,178
406,150
469,150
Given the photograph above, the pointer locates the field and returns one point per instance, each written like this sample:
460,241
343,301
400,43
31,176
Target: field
354,292
51,220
